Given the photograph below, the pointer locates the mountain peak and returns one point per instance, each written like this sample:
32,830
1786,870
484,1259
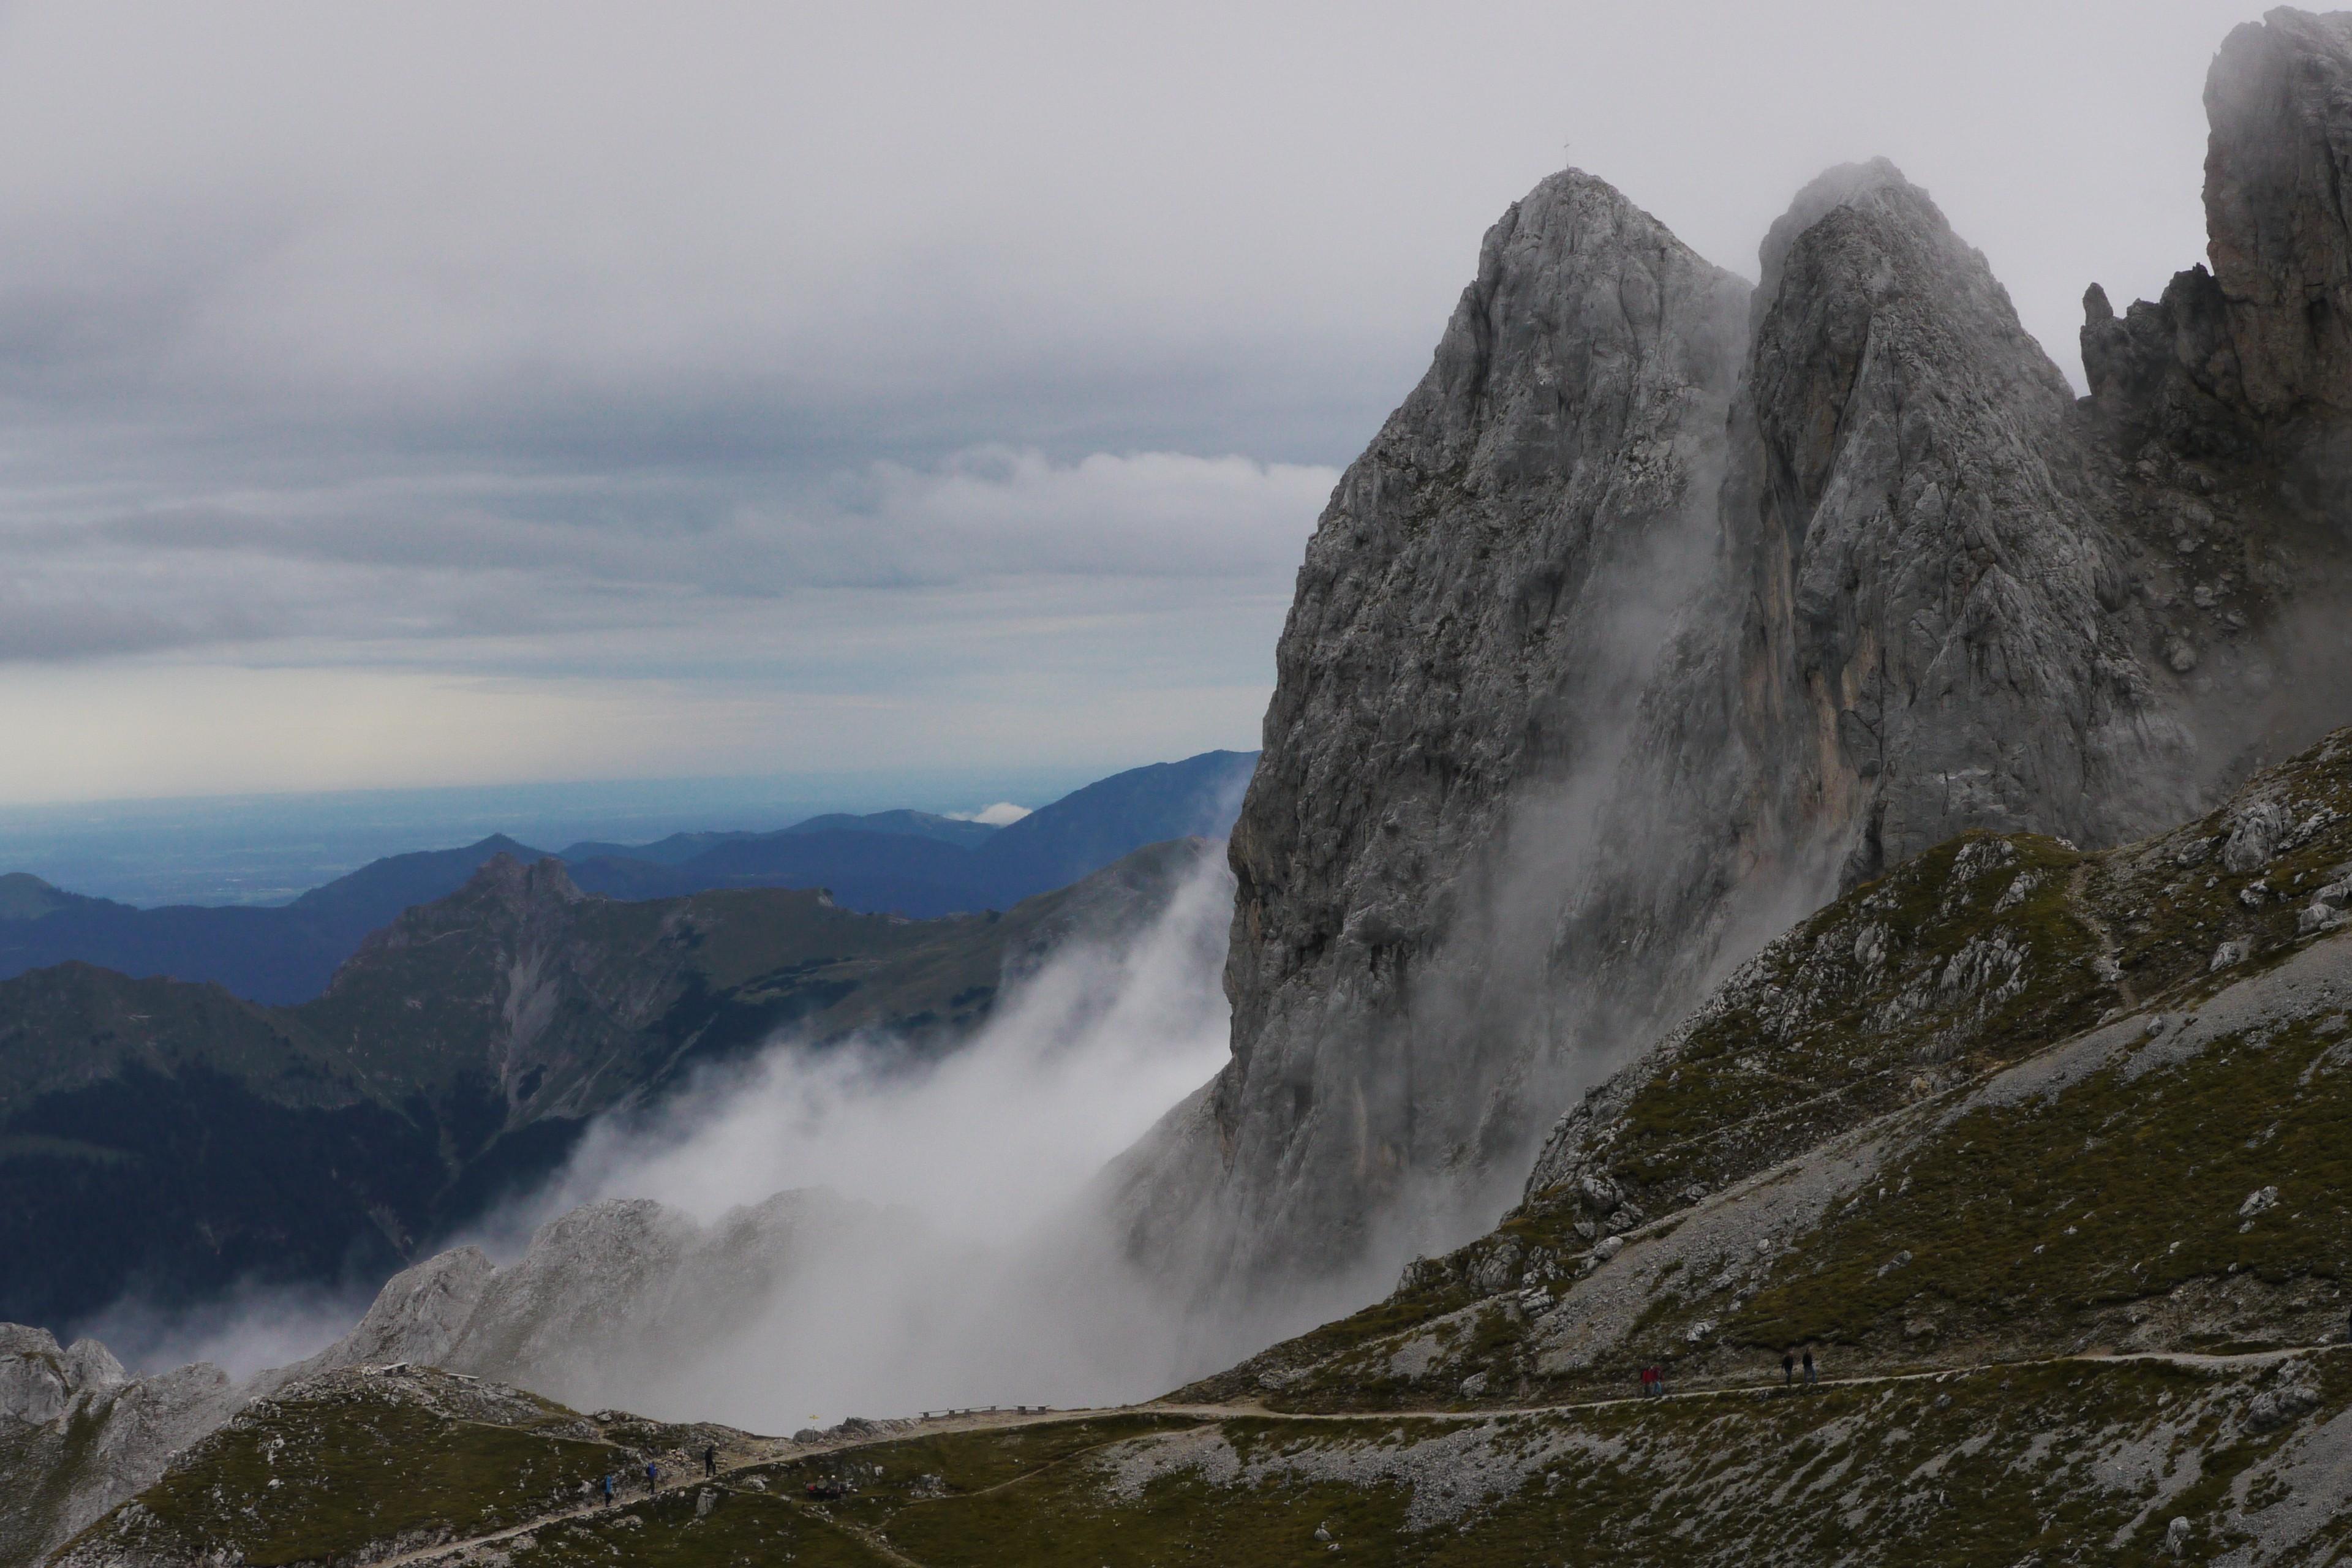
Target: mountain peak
24,897
1663,610
541,880
2276,224
1840,185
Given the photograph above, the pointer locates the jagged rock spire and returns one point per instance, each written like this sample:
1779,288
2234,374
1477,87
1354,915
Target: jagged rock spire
1564,729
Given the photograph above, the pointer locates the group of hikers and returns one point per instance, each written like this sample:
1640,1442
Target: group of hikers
653,1473
1654,1376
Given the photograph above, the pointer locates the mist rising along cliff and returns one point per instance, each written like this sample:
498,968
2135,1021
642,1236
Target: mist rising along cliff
1665,609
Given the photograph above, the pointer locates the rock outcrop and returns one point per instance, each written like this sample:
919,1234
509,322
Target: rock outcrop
2261,344
2007,1101
1565,726
78,1434
606,1303
1481,604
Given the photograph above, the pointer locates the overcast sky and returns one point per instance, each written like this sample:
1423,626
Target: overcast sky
428,393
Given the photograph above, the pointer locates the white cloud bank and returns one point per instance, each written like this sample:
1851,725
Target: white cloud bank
1003,814
985,1283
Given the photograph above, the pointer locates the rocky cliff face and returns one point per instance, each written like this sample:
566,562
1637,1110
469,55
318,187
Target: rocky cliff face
606,1301
1480,605
603,1305
2007,1101
2268,332
1661,611
78,1434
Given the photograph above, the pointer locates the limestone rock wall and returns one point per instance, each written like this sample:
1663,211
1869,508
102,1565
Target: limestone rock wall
1660,612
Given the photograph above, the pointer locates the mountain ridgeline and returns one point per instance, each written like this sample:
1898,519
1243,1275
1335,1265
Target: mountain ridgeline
906,863
173,1139
1665,609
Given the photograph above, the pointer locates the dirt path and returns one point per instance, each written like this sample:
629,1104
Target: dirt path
779,1451
769,1451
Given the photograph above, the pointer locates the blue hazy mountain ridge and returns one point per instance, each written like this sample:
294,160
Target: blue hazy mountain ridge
269,955
914,824
168,1138
675,850
382,888
906,863
901,863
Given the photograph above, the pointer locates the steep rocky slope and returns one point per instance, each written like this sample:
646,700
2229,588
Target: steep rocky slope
1514,811
173,1139
1480,603
573,1316
2010,1101
78,1434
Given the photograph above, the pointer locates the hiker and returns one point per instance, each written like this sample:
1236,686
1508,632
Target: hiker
608,1489
1810,1375
710,1460
653,1477
1788,1369
1645,1383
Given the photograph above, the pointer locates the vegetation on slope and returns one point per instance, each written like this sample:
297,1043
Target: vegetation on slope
1852,1103
2084,1461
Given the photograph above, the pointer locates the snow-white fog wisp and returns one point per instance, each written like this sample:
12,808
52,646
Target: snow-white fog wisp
949,1256
243,1330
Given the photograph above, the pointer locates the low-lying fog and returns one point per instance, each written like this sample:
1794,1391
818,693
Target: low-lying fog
970,1269
983,1281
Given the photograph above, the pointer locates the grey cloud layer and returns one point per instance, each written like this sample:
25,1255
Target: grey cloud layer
801,344
474,556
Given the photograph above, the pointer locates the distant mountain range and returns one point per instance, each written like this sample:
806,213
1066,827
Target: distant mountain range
908,863
169,1138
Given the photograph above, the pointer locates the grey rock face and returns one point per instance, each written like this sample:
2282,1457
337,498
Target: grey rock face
2246,368
2281,149
1484,593
1923,581
78,1435
590,1310
589,1314
1565,727
419,1314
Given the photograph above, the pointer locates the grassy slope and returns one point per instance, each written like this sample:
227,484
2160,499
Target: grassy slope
2080,1461
1891,1008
